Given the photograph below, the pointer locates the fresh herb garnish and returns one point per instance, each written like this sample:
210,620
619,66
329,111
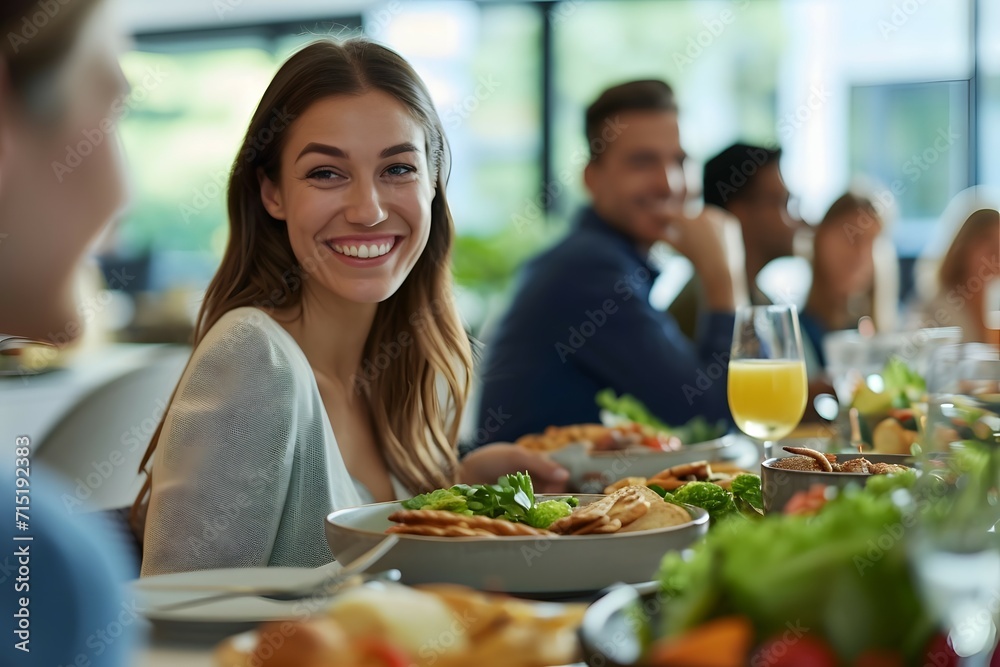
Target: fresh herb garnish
512,498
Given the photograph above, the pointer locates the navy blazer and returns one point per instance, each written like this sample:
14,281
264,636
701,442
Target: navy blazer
580,321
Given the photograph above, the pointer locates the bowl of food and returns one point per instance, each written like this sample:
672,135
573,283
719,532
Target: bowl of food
503,538
629,442
783,477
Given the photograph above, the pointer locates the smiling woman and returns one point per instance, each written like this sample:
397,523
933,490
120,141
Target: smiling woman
361,193
339,249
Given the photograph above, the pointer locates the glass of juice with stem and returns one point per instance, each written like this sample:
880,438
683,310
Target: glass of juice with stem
767,373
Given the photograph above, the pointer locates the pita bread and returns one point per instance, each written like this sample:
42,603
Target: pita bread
660,515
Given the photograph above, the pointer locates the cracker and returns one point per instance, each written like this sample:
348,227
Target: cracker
432,530
622,483
602,526
629,507
441,519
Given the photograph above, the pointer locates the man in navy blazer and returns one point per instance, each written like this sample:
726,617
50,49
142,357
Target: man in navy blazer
581,320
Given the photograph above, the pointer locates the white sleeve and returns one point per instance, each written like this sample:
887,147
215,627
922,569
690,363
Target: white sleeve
224,459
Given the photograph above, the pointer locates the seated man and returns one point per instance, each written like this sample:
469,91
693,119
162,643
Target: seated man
746,181
581,319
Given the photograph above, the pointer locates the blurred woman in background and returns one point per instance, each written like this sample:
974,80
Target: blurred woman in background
960,287
61,91
854,275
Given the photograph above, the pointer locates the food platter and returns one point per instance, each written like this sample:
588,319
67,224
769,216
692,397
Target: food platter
591,471
538,566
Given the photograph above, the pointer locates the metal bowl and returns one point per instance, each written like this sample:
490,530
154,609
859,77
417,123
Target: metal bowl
778,486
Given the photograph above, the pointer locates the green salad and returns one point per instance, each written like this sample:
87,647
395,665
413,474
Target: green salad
512,498
842,573
742,500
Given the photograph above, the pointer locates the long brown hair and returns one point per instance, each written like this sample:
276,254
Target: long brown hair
879,298
415,428
952,272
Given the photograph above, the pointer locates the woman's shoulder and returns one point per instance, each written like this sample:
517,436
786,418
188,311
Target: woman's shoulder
245,318
248,326
249,338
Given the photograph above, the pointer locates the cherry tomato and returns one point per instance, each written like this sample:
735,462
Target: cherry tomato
380,653
807,502
901,414
793,651
660,442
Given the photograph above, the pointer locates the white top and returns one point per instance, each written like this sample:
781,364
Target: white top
247,466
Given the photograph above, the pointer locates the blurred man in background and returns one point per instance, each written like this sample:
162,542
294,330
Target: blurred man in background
746,181
581,320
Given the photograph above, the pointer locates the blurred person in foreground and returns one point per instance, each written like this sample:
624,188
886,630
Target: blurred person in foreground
63,600
339,257
958,276
581,320
746,181
855,275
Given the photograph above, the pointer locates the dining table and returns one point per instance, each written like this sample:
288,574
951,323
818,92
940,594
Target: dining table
159,649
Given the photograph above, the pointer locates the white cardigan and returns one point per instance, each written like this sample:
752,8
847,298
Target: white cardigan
247,466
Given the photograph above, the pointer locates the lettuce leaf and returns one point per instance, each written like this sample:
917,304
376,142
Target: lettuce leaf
746,488
512,498
713,498
449,500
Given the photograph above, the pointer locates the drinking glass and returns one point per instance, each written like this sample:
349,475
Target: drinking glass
767,373
956,544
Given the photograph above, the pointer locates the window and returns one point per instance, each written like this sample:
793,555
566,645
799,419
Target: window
847,87
821,78
482,63
721,58
919,160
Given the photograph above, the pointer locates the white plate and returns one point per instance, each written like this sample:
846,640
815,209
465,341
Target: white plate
561,566
224,617
591,472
